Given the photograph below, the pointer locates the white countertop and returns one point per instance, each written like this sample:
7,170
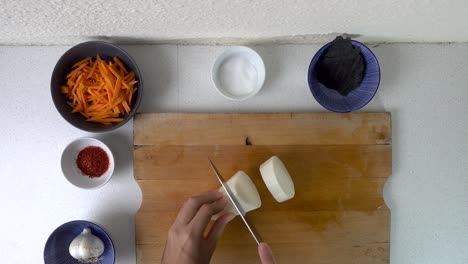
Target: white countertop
425,87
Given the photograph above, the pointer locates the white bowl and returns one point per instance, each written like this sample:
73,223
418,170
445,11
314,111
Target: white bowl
238,73
71,171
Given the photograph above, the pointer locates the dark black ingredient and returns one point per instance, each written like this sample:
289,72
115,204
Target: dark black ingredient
342,66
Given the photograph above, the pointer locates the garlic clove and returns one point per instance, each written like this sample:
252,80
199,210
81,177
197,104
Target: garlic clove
86,247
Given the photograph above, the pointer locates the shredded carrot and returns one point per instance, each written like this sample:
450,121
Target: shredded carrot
100,91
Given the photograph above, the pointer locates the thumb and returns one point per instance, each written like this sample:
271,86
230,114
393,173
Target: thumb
265,253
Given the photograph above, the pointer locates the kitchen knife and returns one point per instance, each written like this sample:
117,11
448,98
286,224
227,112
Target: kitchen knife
236,204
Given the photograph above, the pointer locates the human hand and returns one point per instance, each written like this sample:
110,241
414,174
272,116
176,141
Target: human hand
265,253
186,243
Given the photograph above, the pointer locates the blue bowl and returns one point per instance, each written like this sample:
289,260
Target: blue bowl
56,248
356,99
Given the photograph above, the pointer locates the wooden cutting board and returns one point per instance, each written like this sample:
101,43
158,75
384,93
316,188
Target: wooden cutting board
339,164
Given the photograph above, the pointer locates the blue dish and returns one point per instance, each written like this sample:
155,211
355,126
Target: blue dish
357,98
56,248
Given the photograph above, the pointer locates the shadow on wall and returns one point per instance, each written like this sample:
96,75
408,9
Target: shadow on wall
159,68
278,40
391,70
122,40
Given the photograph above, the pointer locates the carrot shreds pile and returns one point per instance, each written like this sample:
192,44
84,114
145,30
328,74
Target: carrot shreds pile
100,91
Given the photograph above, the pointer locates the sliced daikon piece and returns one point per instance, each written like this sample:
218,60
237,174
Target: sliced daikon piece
245,192
277,179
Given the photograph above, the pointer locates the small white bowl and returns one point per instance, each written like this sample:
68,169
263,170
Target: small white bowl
71,171
238,73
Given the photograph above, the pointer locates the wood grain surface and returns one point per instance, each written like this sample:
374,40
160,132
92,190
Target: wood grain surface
339,164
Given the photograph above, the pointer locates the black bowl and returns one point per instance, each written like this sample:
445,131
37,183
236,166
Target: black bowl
64,65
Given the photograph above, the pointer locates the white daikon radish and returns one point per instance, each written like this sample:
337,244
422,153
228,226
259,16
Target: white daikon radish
245,192
277,179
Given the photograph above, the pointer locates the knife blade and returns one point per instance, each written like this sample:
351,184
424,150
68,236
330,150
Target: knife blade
236,204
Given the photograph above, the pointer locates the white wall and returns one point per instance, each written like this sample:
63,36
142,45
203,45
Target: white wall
230,21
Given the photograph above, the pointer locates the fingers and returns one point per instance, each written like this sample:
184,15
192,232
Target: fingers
203,216
265,253
193,204
218,227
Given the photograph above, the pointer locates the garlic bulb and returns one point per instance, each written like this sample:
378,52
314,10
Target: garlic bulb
86,247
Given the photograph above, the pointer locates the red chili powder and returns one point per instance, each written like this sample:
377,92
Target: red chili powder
93,161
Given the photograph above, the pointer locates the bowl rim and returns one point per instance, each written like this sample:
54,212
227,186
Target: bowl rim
108,152
312,65
137,74
222,56
81,222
